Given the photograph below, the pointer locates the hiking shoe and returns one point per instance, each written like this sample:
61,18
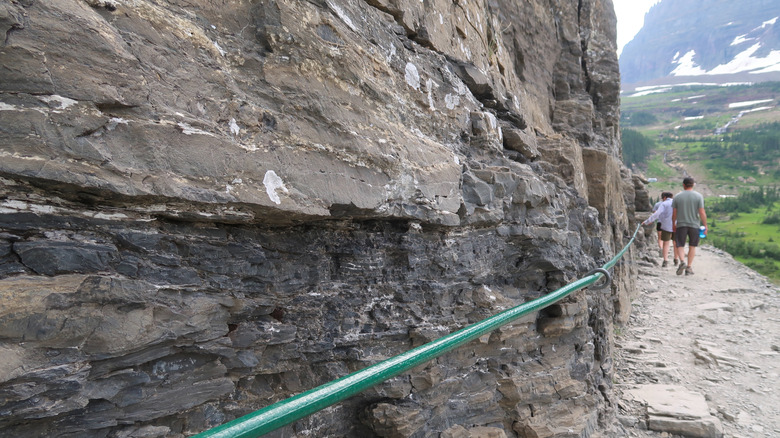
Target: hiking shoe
676,262
665,263
680,268
689,271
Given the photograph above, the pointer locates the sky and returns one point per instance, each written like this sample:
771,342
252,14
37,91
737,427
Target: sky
630,16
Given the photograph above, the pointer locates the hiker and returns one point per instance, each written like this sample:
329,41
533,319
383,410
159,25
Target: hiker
687,215
663,214
658,224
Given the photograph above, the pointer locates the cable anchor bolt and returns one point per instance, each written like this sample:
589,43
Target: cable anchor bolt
607,277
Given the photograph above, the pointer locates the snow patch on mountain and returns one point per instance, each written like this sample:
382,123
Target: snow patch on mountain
771,68
744,38
741,39
745,61
650,90
653,89
769,23
742,62
686,65
748,103
732,41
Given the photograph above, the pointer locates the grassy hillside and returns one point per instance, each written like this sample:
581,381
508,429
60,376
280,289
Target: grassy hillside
752,238
684,122
728,139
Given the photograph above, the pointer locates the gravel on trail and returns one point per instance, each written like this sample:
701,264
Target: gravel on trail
700,356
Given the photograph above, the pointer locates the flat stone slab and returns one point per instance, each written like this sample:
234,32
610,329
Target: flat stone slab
715,306
673,409
709,352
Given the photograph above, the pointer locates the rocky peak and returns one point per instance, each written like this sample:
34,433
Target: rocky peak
714,41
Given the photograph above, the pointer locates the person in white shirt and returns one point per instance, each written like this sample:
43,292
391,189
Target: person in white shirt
663,214
658,225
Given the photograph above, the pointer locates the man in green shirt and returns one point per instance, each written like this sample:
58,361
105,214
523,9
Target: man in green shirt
687,212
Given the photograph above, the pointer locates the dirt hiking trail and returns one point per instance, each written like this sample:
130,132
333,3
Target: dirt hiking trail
700,356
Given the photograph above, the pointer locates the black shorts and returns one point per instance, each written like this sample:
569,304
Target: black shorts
658,226
690,232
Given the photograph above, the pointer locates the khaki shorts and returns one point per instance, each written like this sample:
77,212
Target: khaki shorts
666,235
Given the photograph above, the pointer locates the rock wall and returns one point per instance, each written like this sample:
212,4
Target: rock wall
209,206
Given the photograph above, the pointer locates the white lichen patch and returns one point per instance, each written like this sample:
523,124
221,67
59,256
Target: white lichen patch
18,156
219,49
59,101
15,206
248,147
466,51
42,209
110,4
113,122
234,129
451,101
272,183
189,130
163,368
344,17
429,84
412,76
393,52
233,184
110,216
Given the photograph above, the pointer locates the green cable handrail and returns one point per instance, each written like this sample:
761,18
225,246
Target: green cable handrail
294,408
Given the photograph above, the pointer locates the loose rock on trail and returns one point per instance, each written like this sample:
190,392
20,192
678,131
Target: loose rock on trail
700,356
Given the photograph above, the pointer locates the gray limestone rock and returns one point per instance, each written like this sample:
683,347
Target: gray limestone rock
52,257
673,409
206,207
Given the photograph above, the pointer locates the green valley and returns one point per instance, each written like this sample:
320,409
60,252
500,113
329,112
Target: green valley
728,139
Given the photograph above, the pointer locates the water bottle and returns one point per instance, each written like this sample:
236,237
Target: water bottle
702,235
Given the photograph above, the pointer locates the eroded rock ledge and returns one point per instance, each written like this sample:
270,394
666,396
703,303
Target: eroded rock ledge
209,206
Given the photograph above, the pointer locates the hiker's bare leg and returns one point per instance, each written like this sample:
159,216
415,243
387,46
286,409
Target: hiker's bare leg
691,255
665,250
681,253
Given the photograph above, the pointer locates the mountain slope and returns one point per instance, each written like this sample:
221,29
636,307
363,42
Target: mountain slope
713,41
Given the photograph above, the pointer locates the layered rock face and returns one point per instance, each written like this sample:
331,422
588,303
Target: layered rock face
209,206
